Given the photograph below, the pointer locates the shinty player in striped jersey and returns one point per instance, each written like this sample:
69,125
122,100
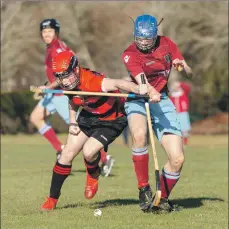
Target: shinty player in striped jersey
100,122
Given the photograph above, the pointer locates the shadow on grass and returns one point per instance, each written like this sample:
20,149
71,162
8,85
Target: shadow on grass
195,202
115,202
79,170
84,171
78,205
182,203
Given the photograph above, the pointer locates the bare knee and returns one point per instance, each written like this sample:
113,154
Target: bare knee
139,139
177,162
66,158
36,117
33,118
89,153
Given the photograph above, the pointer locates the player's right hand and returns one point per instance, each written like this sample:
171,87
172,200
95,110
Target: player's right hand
74,129
143,89
43,87
154,96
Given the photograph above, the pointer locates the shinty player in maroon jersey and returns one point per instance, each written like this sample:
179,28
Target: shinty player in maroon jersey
152,56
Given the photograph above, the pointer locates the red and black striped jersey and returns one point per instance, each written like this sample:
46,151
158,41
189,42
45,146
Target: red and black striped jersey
103,107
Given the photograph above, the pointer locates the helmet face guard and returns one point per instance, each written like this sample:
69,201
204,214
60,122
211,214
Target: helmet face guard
69,78
145,32
145,44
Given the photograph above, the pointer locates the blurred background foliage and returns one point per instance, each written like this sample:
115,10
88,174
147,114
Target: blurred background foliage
99,32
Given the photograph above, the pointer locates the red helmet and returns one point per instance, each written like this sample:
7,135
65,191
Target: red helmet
64,65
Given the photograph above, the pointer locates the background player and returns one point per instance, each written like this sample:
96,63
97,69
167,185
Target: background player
52,103
179,94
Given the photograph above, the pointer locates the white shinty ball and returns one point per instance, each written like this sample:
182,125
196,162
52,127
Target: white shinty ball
97,212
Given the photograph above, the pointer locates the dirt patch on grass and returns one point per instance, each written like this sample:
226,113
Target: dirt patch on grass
217,124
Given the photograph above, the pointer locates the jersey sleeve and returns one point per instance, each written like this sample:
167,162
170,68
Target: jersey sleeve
63,47
92,82
132,64
174,50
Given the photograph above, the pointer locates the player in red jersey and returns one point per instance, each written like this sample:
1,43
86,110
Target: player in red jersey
153,56
100,122
179,94
50,104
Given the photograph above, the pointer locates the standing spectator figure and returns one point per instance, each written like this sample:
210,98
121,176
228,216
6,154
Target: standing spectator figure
179,94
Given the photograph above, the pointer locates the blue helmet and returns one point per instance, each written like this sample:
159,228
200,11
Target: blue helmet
145,32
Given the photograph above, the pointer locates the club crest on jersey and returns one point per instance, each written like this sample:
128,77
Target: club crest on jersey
168,58
59,50
126,58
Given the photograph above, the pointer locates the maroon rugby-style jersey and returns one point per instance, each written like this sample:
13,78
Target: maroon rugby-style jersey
156,64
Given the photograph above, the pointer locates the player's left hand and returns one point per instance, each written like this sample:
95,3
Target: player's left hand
154,95
178,64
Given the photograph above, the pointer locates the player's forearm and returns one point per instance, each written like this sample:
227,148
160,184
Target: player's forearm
72,113
116,84
188,71
138,79
127,86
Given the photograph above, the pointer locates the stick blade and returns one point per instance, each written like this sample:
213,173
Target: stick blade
157,198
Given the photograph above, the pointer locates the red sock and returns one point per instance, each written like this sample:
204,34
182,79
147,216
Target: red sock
185,140
50,135
140,158
168,181
103,155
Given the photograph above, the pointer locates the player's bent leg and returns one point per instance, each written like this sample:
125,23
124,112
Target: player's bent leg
37,117
138,130
174,149
43,109
92,157
167,129
107,163
172,169
62,169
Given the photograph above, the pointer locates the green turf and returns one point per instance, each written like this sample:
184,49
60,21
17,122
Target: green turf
26,165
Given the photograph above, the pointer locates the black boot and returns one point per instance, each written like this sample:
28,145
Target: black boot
145,198
165,206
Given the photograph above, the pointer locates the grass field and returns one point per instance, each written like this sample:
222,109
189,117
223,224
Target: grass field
27,161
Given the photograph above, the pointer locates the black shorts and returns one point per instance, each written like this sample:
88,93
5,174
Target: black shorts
102,130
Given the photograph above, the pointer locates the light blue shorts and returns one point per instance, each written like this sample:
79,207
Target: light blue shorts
57,104
163,115
184,123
